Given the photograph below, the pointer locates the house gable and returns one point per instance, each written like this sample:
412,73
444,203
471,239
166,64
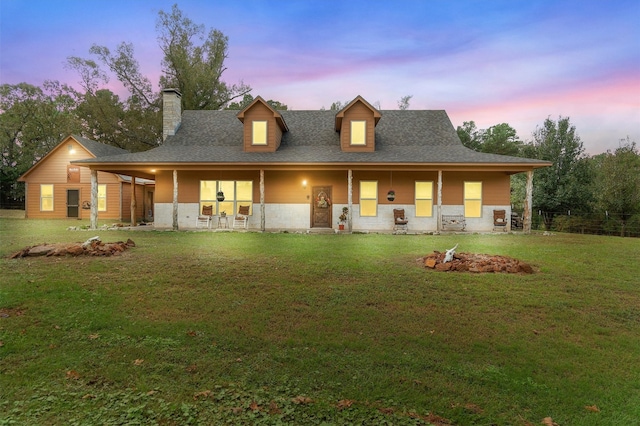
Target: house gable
263,127
54,166
58,175
356,124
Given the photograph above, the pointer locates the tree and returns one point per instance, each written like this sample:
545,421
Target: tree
336,106
617,183
501,139
469,135
135,124
195,70
127,70
129,125
33,121
403,103
247,99
563,186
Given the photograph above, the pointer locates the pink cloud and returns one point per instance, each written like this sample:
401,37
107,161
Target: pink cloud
603,113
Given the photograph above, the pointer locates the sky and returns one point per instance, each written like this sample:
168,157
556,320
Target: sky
491,62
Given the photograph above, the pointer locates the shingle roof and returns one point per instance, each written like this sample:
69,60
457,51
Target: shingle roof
410,136
99,149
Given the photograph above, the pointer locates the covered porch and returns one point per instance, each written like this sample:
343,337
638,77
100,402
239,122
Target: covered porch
288,197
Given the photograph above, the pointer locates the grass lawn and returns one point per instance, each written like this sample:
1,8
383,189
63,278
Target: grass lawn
249,328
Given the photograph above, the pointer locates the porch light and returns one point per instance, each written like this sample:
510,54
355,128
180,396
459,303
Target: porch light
391,195
72,150
304,184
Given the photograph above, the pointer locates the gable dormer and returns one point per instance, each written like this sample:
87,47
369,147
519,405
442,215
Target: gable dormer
356,124
263,127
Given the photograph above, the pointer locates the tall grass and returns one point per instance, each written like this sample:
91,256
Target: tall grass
249,328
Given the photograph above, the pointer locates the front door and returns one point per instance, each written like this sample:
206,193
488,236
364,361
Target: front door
73,202
321,207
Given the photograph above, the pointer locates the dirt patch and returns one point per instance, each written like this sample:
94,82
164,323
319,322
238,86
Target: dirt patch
471,262
11,312
91,247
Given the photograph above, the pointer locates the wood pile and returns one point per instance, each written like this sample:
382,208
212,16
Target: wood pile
91,247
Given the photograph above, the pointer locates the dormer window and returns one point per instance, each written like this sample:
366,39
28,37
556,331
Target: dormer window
356,124
262,127
358,132
259,133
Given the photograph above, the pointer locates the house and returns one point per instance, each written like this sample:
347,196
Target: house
56,189
296,170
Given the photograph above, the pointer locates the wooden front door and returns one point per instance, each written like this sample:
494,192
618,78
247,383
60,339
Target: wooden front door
321,207
73,202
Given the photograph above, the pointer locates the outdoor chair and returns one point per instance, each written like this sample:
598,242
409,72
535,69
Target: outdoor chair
400,222
500,220
241,220
205,219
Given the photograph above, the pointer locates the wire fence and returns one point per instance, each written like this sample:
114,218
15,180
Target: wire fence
12,204
605,223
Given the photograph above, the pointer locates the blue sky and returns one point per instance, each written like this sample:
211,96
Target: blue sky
517,62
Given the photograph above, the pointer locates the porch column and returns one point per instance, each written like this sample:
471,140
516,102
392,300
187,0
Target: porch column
175,200
94,200
439,209
526,225
262,218
133,201
350,199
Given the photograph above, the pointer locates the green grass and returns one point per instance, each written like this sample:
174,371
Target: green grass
249,328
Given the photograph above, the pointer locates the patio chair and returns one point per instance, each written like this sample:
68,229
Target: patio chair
241,220
400,222
206,218
500,220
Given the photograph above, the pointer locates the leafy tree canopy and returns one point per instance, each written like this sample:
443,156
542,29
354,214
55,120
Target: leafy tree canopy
565,185
195,69
33,121
499,139
193,63
617,183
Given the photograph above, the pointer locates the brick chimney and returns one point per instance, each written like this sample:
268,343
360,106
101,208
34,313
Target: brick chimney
171,112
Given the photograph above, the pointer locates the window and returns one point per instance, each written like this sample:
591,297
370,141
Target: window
424,199
368,198
102,198
473,199
236,193
358,133
208,190
46,198
244,195
259,134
